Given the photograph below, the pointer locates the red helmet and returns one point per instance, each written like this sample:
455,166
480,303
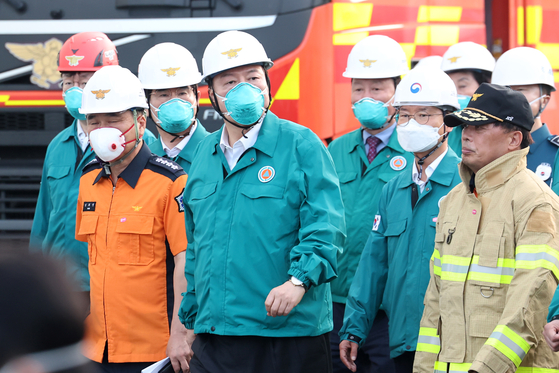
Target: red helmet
87,51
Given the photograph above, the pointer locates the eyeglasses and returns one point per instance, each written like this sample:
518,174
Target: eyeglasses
421,118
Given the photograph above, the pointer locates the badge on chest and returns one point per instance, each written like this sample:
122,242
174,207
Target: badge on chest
543,171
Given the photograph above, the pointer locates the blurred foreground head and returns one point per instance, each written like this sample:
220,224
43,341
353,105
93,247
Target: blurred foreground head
41,317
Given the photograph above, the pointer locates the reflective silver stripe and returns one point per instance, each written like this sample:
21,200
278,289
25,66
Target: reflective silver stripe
509,343
454,268
437,262
429,340
506,271
532,257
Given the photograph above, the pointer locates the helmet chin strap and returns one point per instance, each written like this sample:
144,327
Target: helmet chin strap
421,160
108,165
541,109
174,134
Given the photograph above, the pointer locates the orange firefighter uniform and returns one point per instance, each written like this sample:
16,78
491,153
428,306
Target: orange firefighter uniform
133,230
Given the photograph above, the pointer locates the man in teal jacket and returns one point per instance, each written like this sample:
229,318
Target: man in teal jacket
170,77
366,159
469,65
528,70
551,329
264,221
54,223
394,266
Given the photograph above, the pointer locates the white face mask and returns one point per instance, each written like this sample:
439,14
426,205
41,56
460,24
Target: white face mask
107,142
418,138
541,108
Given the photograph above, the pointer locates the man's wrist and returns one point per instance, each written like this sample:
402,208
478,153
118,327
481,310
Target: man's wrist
295,281
354,338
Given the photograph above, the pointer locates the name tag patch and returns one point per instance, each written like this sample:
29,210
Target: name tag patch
89,206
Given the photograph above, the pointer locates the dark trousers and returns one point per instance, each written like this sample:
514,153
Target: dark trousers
121,367
404,362
106,367
374,355
250,354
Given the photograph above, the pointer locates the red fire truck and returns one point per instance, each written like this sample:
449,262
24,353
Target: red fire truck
309,41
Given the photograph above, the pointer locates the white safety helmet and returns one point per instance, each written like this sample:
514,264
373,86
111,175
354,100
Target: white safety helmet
523,66
168,65
232,49
112,89
427,87
376,57
432,62
468,56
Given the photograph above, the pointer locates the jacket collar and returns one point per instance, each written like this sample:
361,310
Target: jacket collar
443,175
132,173
188,152
267,137
539,136
357,141
495,173
73,133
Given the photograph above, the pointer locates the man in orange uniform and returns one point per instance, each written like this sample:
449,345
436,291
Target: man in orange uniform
130,212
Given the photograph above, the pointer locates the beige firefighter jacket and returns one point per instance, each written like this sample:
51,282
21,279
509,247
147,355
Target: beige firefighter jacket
494,271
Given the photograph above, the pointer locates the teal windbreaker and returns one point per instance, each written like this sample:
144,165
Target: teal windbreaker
54,224
277,214
361,183
184,159
394,266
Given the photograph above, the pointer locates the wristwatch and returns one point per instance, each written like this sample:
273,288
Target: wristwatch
297,282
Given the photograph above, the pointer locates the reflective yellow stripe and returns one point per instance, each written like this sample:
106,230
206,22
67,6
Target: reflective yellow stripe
455,268
442,35
436,258
428,341
428,13
537,256
536,370
503,273
441,367
350,16
509,344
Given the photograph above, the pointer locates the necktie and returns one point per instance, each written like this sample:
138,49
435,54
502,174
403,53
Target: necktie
373,142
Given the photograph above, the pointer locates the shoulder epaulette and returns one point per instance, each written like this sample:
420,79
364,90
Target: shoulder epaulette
554,140
165,167
94,164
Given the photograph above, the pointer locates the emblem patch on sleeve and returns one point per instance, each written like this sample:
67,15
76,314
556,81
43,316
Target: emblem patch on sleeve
180,201
89,206
376,223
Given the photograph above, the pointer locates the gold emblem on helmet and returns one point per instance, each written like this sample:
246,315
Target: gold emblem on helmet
171,71
232,53
476,96
454,59
367,63
74,60
44,58
100,94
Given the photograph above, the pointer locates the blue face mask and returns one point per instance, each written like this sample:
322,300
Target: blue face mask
371,113
244,103
73,100
175,115
463,100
